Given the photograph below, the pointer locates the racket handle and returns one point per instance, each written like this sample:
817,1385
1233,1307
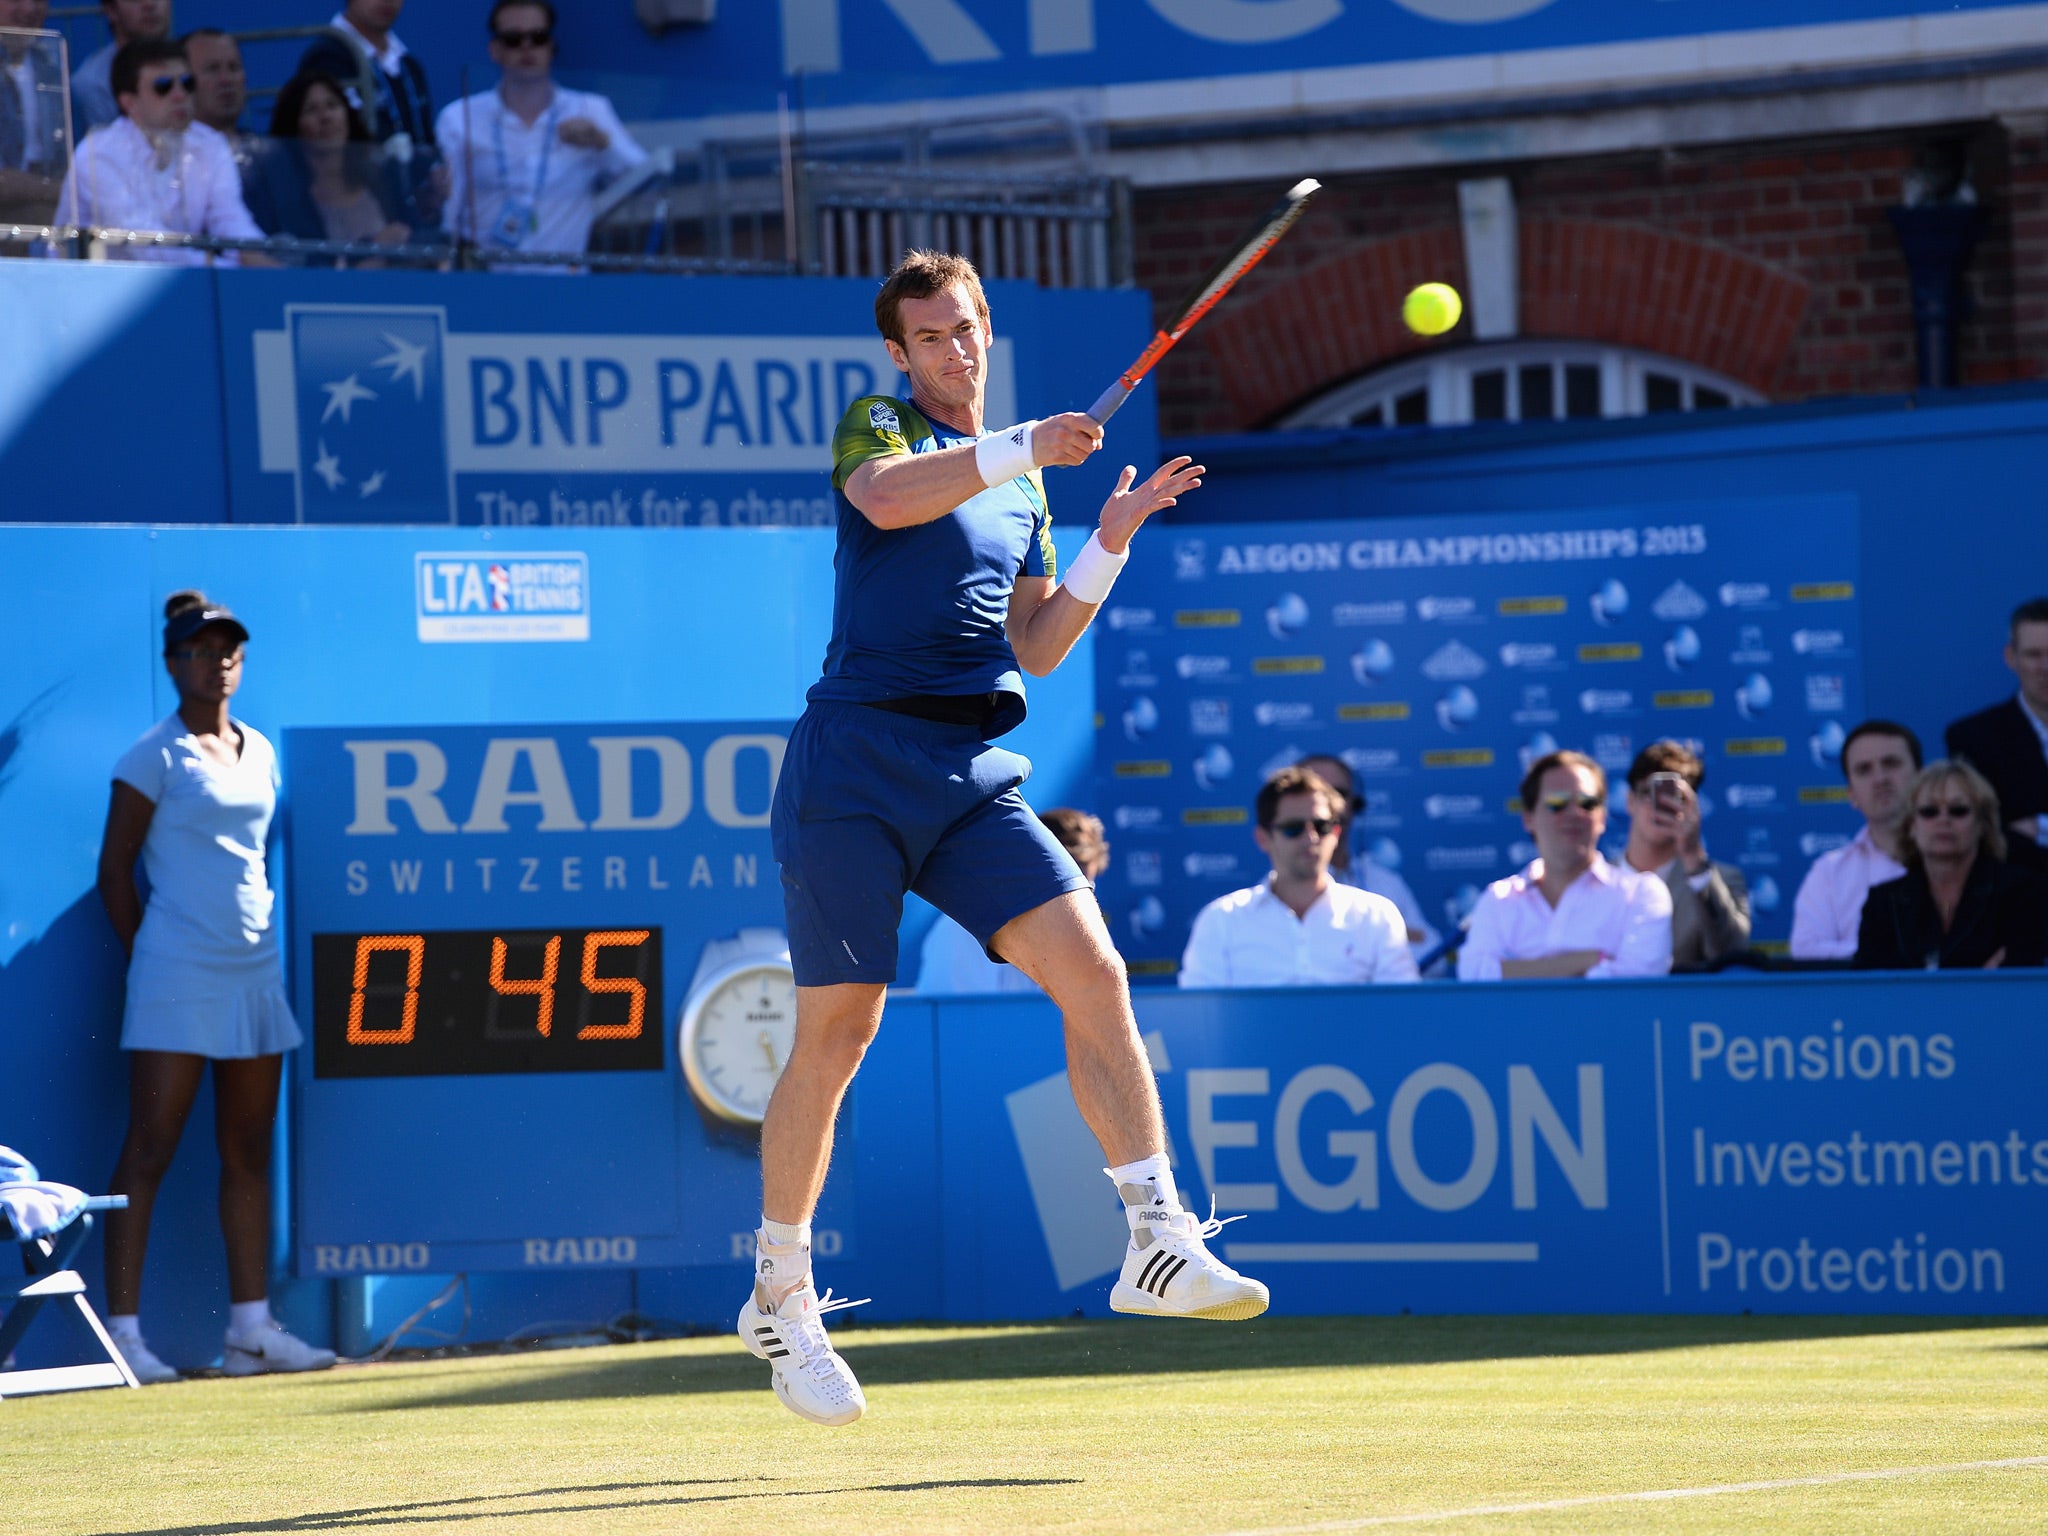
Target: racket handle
1106,406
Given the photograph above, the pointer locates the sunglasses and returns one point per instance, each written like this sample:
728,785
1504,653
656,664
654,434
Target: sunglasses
1322,826
210,658
1955,810
163,85
1558,803
539,37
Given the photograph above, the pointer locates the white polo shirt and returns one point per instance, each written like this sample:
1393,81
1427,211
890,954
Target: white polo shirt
1251,938
1623,913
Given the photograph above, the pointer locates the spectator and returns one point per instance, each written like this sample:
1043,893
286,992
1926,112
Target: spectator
1570,913
1709,901
529,157
221,82
314,179
156,169
952,963
193,798
399,114
32,132
2008,743
1298,927
1879,760
94,99
1959,905
1365,872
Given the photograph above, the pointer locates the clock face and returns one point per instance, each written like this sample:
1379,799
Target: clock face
737,1034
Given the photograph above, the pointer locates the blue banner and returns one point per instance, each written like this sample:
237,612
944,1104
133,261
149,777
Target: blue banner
1440,657
1855,1144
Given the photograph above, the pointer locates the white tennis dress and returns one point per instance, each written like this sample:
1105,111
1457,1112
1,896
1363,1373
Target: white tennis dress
206,976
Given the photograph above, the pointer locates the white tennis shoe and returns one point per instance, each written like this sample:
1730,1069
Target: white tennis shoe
143,1361
272,1349
810,1377
1170,1272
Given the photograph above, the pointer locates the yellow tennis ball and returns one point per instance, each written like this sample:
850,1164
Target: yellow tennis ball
1432,309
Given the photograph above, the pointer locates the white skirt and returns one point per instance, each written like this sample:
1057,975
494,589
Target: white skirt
218,1016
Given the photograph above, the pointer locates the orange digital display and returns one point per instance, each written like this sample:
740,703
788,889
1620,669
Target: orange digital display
482,1001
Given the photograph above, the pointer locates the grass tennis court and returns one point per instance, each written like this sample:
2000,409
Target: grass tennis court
1278,1425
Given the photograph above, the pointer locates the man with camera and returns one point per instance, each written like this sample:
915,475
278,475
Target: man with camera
1709,900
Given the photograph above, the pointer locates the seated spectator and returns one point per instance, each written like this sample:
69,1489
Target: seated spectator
93,102
400,109
1709,901
530,157
1297,928
1363,870
220,91
2008,743
32,134
952,963
1959,905
1570,913
1879,760
315,180
156,169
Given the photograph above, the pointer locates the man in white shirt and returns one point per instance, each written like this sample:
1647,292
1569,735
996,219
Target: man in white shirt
1570,913
155,168
952,961
1364,871
1299,928
1879,760
530,157
92,90
1709,900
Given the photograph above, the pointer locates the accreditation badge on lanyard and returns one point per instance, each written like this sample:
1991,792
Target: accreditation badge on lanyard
520,220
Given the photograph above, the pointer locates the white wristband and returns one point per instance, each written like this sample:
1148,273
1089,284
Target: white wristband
1003,456
1094,571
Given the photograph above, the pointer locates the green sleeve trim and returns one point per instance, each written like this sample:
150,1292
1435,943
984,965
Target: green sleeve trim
875,427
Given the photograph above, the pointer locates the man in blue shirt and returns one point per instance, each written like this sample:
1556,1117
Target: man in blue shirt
946,592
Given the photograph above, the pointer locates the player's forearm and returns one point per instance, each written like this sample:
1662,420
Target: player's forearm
1049,634
906,490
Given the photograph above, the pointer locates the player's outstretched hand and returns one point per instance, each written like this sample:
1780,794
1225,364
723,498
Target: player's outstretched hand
1065,440
1129,506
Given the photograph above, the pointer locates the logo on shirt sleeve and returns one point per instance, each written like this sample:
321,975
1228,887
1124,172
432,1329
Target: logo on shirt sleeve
883,419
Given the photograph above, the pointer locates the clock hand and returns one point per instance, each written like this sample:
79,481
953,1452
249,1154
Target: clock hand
768,1048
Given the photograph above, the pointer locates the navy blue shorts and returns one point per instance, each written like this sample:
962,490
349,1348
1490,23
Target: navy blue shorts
871,804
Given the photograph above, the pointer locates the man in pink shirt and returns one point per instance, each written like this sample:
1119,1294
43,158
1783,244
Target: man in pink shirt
1570,913
1879,760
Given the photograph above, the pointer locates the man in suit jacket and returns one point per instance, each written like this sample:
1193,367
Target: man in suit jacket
2008,743
1709,900
34,138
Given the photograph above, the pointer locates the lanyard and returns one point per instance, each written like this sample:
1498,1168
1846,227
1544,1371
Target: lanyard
550,125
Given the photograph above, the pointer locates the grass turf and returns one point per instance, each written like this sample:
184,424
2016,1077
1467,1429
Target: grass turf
1123,1426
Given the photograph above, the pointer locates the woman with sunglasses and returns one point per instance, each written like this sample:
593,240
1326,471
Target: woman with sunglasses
1959,905
318,178
193,800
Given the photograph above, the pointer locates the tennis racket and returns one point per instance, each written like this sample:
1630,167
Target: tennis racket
1221,281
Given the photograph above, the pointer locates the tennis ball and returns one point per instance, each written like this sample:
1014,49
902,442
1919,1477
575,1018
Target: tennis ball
1432,309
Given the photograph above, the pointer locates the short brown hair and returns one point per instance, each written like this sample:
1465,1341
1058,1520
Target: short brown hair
1667,756
924,275
1293,780
1532,781
1078,832
1982,796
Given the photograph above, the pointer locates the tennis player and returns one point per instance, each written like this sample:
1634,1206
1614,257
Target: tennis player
946,593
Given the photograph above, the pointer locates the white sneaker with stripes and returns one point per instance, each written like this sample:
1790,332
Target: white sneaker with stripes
810,1377
1170,1272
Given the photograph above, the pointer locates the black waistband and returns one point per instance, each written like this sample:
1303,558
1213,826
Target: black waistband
978,709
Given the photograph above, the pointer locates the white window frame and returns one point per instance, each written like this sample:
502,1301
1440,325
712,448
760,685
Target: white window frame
1445,378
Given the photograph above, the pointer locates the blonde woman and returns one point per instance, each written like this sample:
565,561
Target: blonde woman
1959,906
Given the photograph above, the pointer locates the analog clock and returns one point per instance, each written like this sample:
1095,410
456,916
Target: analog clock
738,1026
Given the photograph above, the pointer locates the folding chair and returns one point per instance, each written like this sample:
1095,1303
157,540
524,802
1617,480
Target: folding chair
49,1277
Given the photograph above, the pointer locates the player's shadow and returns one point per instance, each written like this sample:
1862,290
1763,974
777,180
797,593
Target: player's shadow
584,1499
891,1356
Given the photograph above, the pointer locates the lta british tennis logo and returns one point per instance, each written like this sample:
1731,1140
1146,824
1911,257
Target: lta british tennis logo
371,414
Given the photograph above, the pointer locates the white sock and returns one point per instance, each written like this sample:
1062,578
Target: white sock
1147,1189
248,1317
125,1326
782,1256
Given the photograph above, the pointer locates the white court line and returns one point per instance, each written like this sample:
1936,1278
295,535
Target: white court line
1651,1496
1380,1253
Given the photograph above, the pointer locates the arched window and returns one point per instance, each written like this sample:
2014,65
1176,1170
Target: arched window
1521,381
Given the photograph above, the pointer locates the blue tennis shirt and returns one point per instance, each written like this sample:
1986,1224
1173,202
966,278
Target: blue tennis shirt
920,610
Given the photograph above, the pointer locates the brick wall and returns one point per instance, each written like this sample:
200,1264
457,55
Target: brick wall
1774,264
